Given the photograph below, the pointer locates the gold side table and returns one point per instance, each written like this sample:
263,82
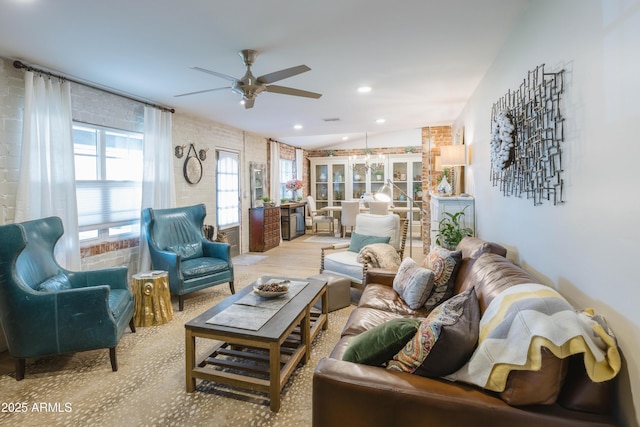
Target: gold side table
152,298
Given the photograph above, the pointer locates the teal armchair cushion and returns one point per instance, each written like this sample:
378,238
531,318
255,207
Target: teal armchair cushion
187,250
55,283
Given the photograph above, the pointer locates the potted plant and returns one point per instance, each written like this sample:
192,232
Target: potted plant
267,201
451,230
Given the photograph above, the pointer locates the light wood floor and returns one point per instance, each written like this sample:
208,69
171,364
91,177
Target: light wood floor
298,258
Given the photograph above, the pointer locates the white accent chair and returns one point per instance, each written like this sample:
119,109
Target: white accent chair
316,218
350,210
378,208
337,259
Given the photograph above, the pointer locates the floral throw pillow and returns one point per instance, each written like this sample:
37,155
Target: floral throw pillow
413,283
445,265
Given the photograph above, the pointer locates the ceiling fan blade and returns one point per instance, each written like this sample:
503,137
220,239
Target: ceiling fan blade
291,91
202,91
248,103
214,73
283,74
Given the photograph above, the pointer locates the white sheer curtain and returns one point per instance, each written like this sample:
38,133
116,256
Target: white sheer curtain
274,173
299,160
47,183
158,189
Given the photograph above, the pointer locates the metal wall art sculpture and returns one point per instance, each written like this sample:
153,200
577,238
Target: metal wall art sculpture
526,136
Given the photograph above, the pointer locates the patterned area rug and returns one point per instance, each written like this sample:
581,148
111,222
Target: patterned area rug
247,259
149,388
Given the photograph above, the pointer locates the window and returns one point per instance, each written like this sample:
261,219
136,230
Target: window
108,166
287,173
228,189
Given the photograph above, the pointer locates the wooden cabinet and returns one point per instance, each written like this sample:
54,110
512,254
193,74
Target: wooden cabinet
452,205
292,220
264,228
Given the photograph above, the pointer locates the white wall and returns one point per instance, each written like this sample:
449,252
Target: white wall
588,247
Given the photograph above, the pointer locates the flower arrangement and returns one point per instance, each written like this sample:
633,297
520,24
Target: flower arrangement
294,185
502,141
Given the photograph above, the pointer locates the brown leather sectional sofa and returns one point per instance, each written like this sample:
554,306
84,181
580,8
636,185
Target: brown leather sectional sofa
351,394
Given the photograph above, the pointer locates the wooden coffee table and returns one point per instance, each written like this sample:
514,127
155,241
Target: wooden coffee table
259,360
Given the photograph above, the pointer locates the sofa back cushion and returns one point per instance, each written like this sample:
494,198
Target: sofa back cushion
491,274
472,248
579,393
540,387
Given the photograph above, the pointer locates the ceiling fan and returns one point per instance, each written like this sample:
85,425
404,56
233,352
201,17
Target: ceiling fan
250,86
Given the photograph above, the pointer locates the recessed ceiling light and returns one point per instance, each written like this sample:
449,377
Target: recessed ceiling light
364,89
344,138
297,127
380,121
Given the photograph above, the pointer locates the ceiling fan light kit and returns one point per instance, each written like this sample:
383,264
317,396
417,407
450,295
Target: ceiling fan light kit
249,86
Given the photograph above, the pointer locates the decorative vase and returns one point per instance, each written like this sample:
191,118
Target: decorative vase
444,186
293,196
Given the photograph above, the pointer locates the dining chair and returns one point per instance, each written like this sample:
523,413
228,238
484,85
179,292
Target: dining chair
318,218
378,208
350,209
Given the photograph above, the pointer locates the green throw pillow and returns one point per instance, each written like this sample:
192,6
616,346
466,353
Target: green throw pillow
359,241
380,343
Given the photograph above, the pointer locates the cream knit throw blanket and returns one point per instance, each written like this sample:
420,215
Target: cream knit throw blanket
525,317
380,255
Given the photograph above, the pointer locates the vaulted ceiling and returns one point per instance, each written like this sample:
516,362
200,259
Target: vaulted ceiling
422,58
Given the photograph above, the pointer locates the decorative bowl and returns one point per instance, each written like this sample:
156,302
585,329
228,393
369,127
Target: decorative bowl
271,289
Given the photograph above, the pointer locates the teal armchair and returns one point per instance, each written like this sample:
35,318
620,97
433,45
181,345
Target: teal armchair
177,245
48,310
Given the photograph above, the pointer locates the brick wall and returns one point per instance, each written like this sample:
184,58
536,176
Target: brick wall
11,104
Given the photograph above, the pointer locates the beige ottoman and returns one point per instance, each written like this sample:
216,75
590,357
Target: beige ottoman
338,290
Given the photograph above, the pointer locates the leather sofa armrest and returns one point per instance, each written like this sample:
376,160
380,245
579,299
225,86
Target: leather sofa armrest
381,275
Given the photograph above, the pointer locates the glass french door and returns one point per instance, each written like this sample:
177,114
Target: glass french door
228,196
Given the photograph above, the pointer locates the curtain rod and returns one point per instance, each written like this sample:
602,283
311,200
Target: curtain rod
20,65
